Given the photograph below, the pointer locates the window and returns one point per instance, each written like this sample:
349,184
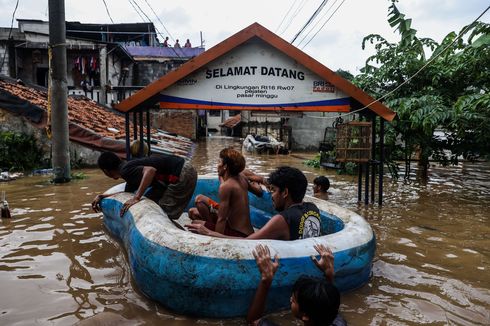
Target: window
214,113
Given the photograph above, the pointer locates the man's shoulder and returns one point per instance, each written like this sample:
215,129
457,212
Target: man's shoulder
310,205
232,186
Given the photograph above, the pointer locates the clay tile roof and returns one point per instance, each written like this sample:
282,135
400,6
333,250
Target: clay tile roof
232,122
81,110
90,124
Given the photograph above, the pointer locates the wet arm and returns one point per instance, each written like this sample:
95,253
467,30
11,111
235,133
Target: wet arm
326,261
276,228
267,269
251,176
146,180
255,188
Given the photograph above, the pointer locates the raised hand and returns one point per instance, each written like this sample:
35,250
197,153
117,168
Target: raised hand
326,262
266,265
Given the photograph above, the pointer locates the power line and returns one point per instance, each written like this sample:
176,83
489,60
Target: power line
418,71
323,24
296,12
144,14
317,22
10,34
134,7
312,17
287,13
108,13
166,30
156,29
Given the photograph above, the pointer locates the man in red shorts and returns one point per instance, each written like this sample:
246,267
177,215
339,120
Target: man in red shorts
232,215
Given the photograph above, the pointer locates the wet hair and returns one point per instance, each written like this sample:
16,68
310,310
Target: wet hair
323,182
109,161
317,299
233,159
293,179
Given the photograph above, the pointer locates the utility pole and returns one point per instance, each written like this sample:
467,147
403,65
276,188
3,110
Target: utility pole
60,142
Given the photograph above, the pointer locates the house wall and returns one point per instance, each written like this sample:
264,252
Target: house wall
148,72
80,156
180,122
307,132
28,61
34,26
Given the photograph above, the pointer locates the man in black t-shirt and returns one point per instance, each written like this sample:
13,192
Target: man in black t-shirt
172,180
296,219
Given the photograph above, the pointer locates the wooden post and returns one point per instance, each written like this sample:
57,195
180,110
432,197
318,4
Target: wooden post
128,136
381,160
373,156
148,131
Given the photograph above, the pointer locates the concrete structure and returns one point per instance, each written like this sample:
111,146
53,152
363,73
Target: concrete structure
106,62
256,70
99,64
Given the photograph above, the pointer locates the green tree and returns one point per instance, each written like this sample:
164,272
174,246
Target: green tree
19,152
448,90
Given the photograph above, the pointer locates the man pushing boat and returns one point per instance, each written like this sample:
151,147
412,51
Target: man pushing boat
172,180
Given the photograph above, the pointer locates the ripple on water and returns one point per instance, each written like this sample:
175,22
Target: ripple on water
68,259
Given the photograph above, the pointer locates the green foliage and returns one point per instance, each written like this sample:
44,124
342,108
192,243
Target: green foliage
78,176
349,168
450,94
314,162
345,74
19,152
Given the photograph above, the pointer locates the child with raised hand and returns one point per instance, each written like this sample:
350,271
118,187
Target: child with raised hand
314,301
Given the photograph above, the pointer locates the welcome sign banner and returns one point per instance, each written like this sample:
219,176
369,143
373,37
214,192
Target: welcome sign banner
254,76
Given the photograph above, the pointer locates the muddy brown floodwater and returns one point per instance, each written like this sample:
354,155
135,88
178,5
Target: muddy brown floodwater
59,266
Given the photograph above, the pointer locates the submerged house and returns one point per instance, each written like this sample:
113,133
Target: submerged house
92,127
106,62
93,66
258,75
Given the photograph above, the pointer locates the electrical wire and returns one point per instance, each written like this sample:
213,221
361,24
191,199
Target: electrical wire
156,29
134,7
296,12
416,73
10,34
141,10
323,24
283,18
108,13
312,17
317,22
166,30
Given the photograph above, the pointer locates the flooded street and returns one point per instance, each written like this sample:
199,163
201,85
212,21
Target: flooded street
58,265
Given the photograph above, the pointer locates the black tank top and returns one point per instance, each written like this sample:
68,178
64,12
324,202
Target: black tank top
303,220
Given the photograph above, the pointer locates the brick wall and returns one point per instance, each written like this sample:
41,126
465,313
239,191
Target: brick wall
181,122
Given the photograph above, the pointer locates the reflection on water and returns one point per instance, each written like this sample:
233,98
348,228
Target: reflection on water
59,266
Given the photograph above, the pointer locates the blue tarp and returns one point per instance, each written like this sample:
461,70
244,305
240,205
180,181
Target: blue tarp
163,52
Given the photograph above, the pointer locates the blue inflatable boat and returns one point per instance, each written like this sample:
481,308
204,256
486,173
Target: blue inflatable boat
198,275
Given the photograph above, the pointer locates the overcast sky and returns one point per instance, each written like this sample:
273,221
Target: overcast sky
337,45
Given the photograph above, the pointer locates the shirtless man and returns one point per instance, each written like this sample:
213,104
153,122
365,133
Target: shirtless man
232,215
295,219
